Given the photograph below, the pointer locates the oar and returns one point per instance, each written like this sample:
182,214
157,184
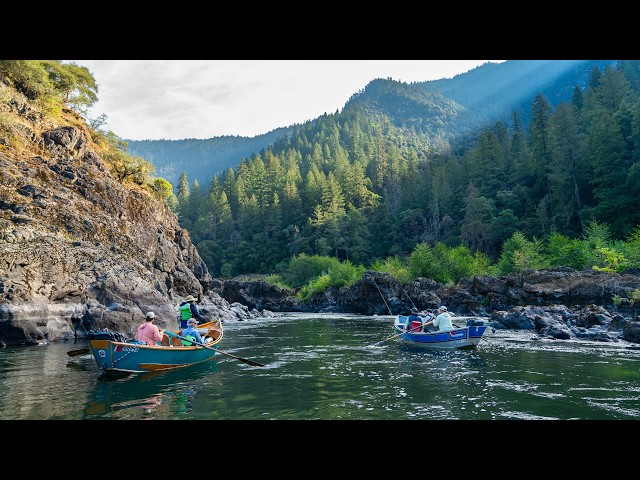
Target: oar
245,360
399,334
81,351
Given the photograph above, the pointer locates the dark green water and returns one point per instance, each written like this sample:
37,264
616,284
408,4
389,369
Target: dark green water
330,367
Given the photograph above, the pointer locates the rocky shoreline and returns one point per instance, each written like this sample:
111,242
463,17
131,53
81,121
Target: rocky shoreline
556,303
532,301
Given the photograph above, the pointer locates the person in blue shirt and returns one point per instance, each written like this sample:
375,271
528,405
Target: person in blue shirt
414,317
427,323
191,333
188,309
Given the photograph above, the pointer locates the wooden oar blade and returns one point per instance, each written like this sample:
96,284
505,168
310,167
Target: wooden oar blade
245,360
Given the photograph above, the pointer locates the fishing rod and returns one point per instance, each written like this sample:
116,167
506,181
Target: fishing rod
385,302
409,297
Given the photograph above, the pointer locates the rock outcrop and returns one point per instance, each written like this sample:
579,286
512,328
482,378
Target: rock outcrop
81,249
558,303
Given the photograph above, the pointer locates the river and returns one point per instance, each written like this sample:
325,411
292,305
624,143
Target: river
335,367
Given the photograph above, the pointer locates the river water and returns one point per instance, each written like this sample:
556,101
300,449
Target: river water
335,367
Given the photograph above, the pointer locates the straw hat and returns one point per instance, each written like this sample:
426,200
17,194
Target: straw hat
191,298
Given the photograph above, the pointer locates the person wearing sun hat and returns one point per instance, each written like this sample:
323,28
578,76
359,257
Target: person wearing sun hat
443,321
188,309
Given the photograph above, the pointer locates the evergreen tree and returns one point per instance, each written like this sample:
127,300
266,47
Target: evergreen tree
183,193
568,171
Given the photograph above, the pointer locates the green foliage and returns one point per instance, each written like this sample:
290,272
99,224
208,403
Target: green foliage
631,248
302,268
447,265
605,254
597,234
519,254
568,252
316,285
276,280
126,167
226,270
162,188
314,274
172,201
30,77
50,81
209,251
632,299
76,84
423,261
609,260
394,267
380,180
345,273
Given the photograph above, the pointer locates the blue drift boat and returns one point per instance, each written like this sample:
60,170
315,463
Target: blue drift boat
459,338
112,353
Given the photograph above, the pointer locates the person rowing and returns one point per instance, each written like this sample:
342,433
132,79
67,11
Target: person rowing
442,322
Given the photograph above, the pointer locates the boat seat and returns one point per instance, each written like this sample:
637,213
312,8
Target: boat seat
165,341
213,334
176,342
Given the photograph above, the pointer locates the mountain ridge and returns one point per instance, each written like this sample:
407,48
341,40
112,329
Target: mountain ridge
457,111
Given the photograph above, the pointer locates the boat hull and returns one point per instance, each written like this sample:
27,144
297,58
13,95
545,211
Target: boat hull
110,354
466,337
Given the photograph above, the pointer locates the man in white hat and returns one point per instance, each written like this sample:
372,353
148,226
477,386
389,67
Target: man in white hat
189,310
443,321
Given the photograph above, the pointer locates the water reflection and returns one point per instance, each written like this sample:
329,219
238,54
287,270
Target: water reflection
149,395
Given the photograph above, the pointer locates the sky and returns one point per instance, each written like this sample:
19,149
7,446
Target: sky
178,99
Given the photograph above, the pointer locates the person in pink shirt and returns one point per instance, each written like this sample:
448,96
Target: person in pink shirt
148,332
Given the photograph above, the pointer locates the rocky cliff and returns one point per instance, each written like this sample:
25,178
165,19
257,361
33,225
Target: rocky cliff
80,248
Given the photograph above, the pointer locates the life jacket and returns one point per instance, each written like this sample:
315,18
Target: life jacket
190,337
185,311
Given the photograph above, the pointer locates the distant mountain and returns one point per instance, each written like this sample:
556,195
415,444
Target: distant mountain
495,90
455,109
200,159
442,112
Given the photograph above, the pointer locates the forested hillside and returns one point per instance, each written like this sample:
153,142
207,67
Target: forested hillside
443,113
199,159
360,185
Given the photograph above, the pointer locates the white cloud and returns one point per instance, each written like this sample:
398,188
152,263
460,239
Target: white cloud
176,99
